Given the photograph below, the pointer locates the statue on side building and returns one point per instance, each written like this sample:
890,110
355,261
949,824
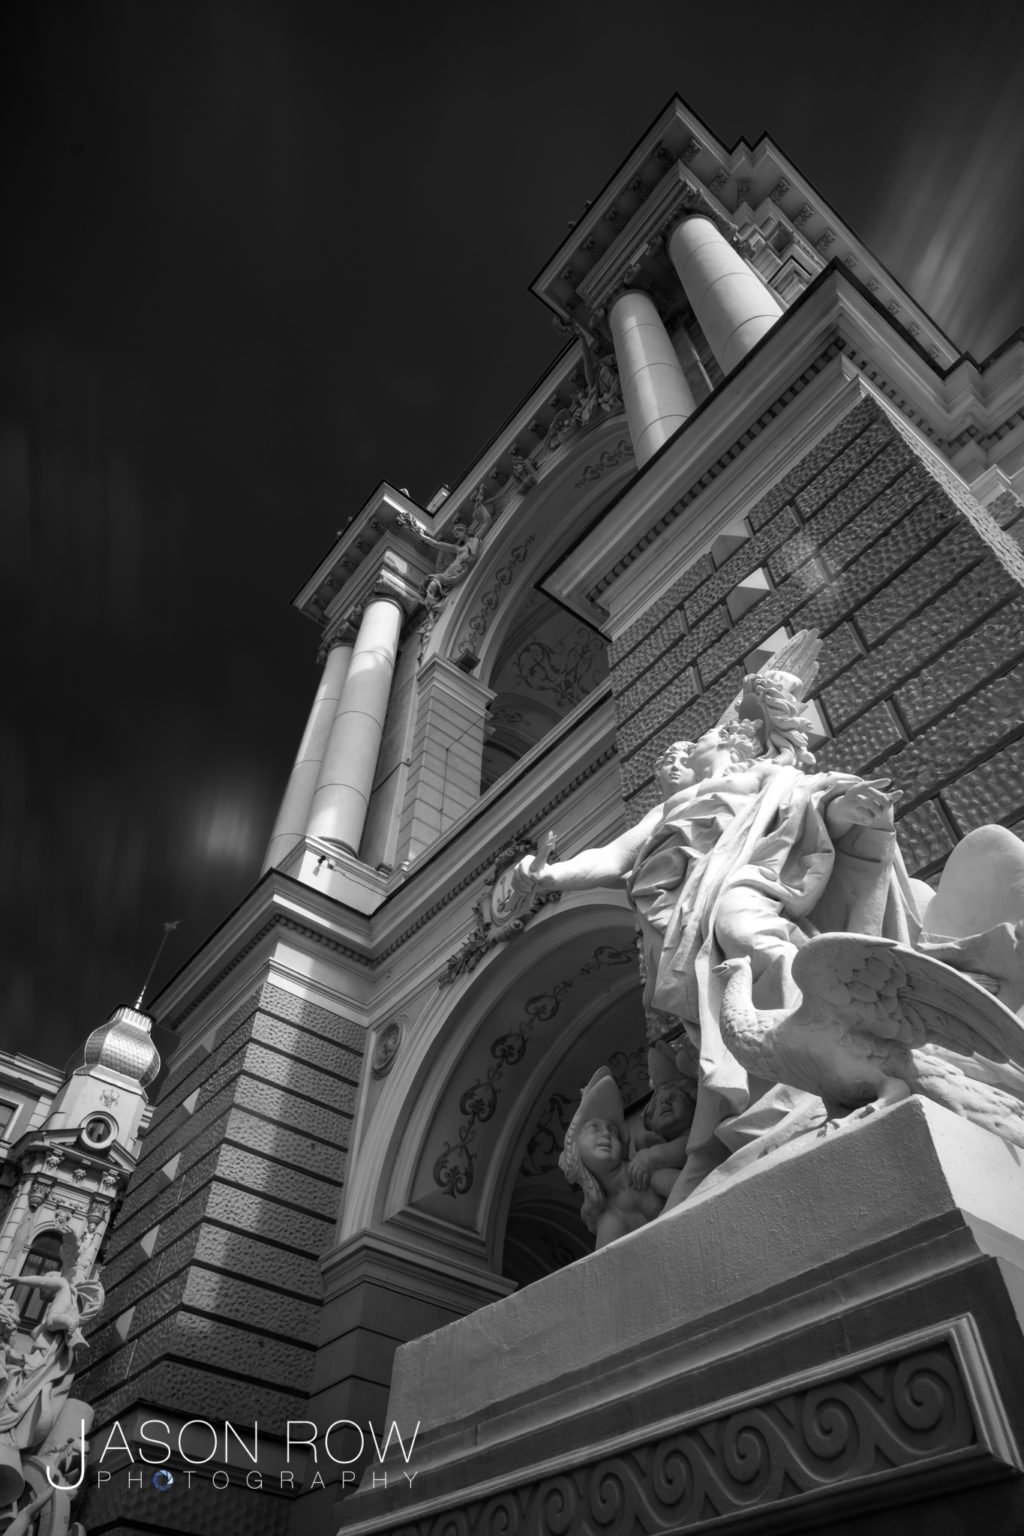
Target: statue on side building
38,1416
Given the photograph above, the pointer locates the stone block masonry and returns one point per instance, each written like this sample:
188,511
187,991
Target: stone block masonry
213,1276
918,594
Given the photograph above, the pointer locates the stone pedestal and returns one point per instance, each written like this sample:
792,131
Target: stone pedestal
832,1341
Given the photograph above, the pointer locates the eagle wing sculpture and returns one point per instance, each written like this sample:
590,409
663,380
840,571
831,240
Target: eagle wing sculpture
878,1021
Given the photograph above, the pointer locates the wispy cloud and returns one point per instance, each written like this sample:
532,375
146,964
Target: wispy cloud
951,216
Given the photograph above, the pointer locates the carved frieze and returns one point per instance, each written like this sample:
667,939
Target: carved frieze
771,1460
454,1168
492,597
608,458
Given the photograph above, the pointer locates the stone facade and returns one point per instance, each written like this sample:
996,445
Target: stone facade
358,1140
922,620
213,1277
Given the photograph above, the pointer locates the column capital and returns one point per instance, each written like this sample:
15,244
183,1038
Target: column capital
395,577
342,634
394,586
392,579
679,196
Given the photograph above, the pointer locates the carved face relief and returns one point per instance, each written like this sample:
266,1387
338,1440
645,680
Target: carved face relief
599,1146
670,1112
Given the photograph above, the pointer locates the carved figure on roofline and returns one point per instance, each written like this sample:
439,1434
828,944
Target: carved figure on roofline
563,426
603,386
750,856
455,556
521,470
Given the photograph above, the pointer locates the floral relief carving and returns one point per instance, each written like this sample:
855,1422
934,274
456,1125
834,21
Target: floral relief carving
454,1169
608,458
492,597
548,1137
569,670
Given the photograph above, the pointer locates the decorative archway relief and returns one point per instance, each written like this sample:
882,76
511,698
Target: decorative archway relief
455,1121
524,543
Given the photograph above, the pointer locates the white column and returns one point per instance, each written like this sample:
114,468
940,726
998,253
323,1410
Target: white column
290,825
655,393
733,307
342,796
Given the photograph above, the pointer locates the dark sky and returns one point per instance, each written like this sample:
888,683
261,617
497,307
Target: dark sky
259,257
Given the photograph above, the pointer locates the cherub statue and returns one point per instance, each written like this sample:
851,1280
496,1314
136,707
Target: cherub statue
667,1117
39,1380
596,1157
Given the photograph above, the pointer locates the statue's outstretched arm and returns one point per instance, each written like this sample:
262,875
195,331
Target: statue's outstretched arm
591,868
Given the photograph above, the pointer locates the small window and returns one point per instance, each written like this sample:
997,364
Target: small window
7,1114
98,1132
42,1259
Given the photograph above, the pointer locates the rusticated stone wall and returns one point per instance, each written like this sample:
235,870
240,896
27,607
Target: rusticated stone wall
918,595
213,1279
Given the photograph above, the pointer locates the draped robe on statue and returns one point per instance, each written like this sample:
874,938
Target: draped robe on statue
745,863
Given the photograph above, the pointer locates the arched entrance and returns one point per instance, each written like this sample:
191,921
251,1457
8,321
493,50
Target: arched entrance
470,1129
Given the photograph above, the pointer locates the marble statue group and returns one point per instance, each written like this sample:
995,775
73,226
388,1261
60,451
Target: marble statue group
795,978
42,1426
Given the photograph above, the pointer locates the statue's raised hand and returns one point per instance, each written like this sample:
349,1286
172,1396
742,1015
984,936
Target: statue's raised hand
866,803
531,872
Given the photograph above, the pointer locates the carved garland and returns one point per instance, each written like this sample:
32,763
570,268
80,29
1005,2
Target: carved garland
501,914
489,603
608,458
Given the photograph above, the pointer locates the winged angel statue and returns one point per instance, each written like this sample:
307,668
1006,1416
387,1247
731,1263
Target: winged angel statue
787,955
